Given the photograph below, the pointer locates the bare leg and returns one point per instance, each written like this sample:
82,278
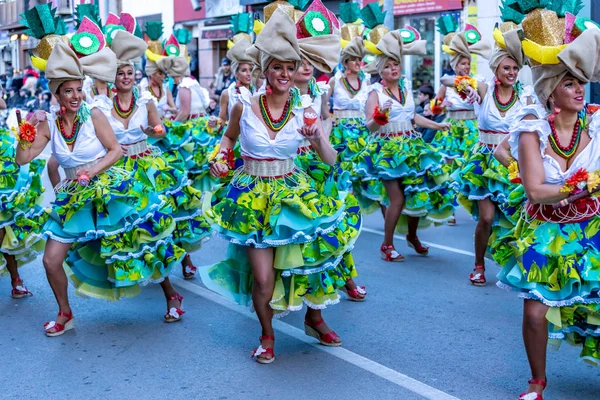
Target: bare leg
262,291
535,337
314,316
393,212
11,263
54,256
487,209
187,262
413,224
53,173
170,294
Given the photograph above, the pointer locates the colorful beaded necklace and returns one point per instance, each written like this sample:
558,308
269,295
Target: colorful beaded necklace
349,87
504,107
160,92
566,152
69,137
120,111
402,99
274,124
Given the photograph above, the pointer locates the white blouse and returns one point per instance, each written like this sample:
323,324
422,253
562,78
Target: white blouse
133,133
234,96
255,141
87,147
489,116
398,112
161,104
587,159
342,100
200,98
457,103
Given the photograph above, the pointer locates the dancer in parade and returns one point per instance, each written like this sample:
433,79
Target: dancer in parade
406,172
21,216
184,147
555,245
97,205
286,239
320,50
483,183
462,136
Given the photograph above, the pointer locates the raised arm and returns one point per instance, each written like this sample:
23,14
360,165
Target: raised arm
319,140
40,121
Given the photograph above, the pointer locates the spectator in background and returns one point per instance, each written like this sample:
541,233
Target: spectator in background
30,82
14,98
139,75
424,96
223,79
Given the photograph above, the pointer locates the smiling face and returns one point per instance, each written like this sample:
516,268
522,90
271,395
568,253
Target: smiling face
305,72
391,71
280,75
352,65
244,74
507,72
463,68
125,78
70,94
569,95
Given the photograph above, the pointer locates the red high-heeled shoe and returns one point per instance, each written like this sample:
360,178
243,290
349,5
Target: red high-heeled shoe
59,329
478,278
20,290
326,339
392,256
357,294
189,272
534,395
261,350
174,314
414,243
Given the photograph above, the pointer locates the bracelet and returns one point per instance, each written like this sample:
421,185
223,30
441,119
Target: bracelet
25,134
513,171
563,203
461,83
380,116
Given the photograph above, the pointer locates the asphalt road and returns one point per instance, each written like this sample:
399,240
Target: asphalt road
424,332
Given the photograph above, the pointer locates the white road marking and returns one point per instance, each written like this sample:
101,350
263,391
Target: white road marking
357,360
433,245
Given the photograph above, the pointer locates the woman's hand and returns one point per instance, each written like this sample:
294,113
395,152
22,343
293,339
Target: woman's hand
150,131
124,150
88,172
472,95
443,126
387,105
218,170
311,132
37,117
212,122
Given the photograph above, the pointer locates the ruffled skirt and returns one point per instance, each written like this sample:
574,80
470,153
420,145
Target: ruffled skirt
427,190
459,140
312,234
557,264
21,215
121,233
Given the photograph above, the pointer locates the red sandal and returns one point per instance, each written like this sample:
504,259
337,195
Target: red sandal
174,314
392,256
357,294
414,243
59,329
326,339
189,272
478,278
534,395
261,350
20,290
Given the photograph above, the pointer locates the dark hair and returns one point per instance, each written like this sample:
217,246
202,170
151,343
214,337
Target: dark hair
427,90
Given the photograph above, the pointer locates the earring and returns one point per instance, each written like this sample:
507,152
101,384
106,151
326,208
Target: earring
114,89
268,89
62,110
497,81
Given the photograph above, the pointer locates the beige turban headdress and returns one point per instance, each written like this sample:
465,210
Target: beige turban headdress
63,66
128,48
393,46
277,41
101,65
581,58
354,49
511,47
238,54
174,66
318,33
459,46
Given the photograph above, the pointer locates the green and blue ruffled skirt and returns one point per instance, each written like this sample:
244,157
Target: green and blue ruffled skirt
418,167
557,264
21,215
458,141
312,233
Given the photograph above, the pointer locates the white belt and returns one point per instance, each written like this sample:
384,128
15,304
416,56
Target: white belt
348,114
402,127
71,173
462,114
269,168
136,148
491,138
